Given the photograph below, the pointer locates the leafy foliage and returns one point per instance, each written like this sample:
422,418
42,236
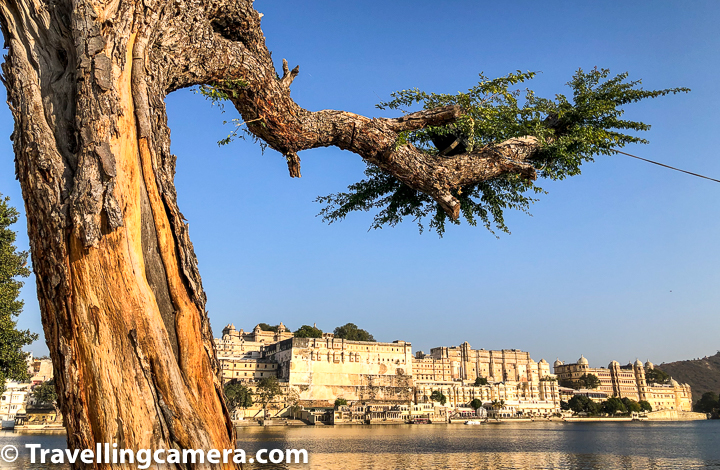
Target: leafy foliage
351,332
613,406
583,404
631,406
46,393
476,404
571,131
656,376
496,404
13,265
480,381
266,327
222,91
708,403
340,402
237,395
267,389
589,381
307,331
645,405
438,396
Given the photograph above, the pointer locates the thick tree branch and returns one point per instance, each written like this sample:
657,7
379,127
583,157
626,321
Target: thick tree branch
428,117
233,51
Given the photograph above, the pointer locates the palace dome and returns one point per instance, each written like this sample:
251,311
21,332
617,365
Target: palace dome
582,360
613,364
638,363
557,363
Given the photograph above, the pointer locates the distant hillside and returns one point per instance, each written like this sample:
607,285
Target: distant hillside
703,375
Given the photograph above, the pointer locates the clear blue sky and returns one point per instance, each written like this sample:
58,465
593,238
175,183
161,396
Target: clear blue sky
617,263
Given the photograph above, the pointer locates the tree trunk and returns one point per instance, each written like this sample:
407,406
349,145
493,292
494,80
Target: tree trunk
121,298
122,303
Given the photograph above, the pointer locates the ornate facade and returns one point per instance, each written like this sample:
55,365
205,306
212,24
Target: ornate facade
537,398
525,387
319,370
247,369
236,344
629,382
466,364
316,371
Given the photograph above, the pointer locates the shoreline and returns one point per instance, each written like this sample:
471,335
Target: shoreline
293,423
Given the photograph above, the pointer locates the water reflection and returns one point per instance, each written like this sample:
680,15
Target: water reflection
654,446
500,461
512,446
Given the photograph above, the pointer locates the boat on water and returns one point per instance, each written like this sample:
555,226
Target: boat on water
7,424
472,422
419,421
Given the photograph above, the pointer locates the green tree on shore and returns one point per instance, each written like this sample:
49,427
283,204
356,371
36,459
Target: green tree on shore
46,394
613,406
631,406
583,404
237,395
645,405
268,388
13,265
475,404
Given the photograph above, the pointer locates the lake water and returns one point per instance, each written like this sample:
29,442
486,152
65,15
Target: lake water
596,446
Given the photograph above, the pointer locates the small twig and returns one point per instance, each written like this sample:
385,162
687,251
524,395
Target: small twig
289,75
247,122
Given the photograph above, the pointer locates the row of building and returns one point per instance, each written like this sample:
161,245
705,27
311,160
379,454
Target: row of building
388,377
317,371
628,381
17,397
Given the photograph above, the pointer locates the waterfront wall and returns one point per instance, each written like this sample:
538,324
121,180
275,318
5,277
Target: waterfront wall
676,415
326,369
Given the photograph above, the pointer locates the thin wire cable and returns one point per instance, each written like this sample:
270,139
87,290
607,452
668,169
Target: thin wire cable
666,166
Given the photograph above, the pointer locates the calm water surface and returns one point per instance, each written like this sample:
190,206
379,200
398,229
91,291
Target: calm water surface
596,446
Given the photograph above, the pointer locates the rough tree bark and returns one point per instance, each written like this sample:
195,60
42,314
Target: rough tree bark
122,302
